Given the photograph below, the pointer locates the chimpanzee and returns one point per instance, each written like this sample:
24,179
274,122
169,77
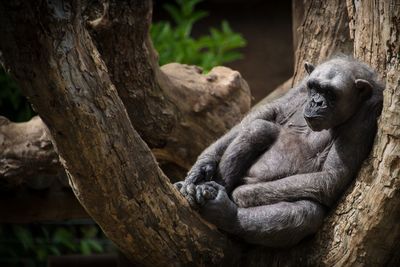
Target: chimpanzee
272,178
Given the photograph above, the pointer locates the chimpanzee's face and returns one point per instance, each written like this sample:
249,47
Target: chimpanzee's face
333,96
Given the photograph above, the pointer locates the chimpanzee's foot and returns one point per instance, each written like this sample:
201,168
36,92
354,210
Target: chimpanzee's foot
205,192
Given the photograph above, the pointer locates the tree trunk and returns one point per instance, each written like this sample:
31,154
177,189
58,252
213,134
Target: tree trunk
111,169
176,109
363,230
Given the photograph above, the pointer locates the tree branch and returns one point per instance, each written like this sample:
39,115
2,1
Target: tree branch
121,34
352,234
321,31
171,105
111,170
26,152
177,110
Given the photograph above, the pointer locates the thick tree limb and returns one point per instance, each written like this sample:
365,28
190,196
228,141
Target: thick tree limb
372,210
321,31
123,42
212,104
111,170
363,230
26,152
171,105
177,110
209,104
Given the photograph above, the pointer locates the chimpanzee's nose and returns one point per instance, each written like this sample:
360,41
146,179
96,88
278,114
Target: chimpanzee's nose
316,103
319,103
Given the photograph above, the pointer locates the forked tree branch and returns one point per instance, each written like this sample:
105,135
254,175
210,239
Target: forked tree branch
177,110
111,170
172,104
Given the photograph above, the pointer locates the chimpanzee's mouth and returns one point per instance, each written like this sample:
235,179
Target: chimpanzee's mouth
315,122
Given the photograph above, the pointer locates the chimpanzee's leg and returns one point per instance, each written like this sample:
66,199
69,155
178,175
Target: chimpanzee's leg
250,143
279,225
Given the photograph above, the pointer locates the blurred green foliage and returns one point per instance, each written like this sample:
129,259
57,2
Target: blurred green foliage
175,43
30,245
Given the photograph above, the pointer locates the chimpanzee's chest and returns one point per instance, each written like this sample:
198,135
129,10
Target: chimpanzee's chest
298,149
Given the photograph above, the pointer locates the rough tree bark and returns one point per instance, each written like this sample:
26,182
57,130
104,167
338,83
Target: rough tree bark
363,230
111,169
26,152
176,109
171,104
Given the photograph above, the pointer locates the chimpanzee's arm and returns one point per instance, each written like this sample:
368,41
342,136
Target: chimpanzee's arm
241,153
206,164
344,160
323,187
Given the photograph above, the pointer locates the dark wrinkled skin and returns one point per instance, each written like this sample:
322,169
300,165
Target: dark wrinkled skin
276,174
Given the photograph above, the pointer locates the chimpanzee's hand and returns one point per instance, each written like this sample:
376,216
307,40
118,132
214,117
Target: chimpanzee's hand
215,206
189,192
202,170
243,196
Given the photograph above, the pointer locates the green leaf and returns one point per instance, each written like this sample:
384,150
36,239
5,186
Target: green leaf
54,250
198,15
174,13
89,232
175,43
64,237
85,247
225,27
41,253
24,236
95,245
188,6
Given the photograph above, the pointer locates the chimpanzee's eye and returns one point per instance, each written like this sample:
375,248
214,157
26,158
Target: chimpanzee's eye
330,95
313,87
311,91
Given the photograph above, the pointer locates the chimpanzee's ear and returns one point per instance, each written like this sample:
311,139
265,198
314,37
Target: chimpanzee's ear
309,67
364,88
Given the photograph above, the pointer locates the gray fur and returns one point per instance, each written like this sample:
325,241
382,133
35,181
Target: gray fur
278,171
